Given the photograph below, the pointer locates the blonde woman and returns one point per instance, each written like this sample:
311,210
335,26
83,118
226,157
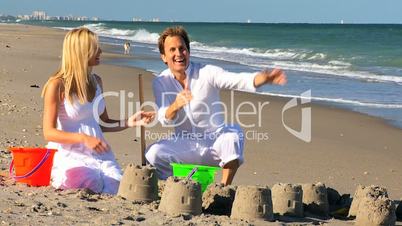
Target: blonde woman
72,106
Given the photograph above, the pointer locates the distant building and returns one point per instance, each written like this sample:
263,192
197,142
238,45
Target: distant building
23,17
39,15
81,18
53,18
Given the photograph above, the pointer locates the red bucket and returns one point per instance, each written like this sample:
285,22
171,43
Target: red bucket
32,166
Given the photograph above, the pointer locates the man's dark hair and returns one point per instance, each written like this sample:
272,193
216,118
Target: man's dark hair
173,31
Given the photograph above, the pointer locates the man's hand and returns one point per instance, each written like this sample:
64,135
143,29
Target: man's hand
276,76
183,98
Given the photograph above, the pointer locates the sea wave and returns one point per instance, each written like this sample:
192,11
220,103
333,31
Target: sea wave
338,71
139,35
338,101
277,54
288,59
337,68
65,28
291,59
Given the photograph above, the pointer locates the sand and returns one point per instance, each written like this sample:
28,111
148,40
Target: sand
346,149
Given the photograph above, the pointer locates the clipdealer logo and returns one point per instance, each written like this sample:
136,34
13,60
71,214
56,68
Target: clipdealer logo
257,136
128,98
305,133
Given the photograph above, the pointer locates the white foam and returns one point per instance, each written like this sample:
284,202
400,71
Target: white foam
338,100
339,63
65,28
288,59
140,35
337,68
279,54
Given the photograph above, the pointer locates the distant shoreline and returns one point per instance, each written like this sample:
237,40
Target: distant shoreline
14,20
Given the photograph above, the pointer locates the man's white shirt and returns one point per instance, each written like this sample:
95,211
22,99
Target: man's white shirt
205,112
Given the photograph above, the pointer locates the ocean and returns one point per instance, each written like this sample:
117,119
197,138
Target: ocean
352,66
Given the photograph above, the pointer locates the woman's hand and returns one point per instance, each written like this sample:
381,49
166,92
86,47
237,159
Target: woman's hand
141,118
96,144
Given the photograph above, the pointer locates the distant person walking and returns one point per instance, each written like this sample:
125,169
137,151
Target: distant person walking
127,47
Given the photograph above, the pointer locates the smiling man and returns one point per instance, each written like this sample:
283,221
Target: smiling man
187,95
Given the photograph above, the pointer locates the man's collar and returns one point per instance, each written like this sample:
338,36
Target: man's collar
188,70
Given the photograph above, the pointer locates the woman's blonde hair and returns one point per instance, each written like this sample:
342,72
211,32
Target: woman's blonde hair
79,46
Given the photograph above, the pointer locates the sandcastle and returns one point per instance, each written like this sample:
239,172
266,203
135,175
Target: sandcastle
181,197
371,206
376,210
139,183
252,203
361,192
287,200
218,199
315,199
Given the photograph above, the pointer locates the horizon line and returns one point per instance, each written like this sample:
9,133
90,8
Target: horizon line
227,22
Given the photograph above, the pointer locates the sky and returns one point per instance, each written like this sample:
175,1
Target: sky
265,11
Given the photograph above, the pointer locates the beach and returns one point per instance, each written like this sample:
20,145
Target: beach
346,148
